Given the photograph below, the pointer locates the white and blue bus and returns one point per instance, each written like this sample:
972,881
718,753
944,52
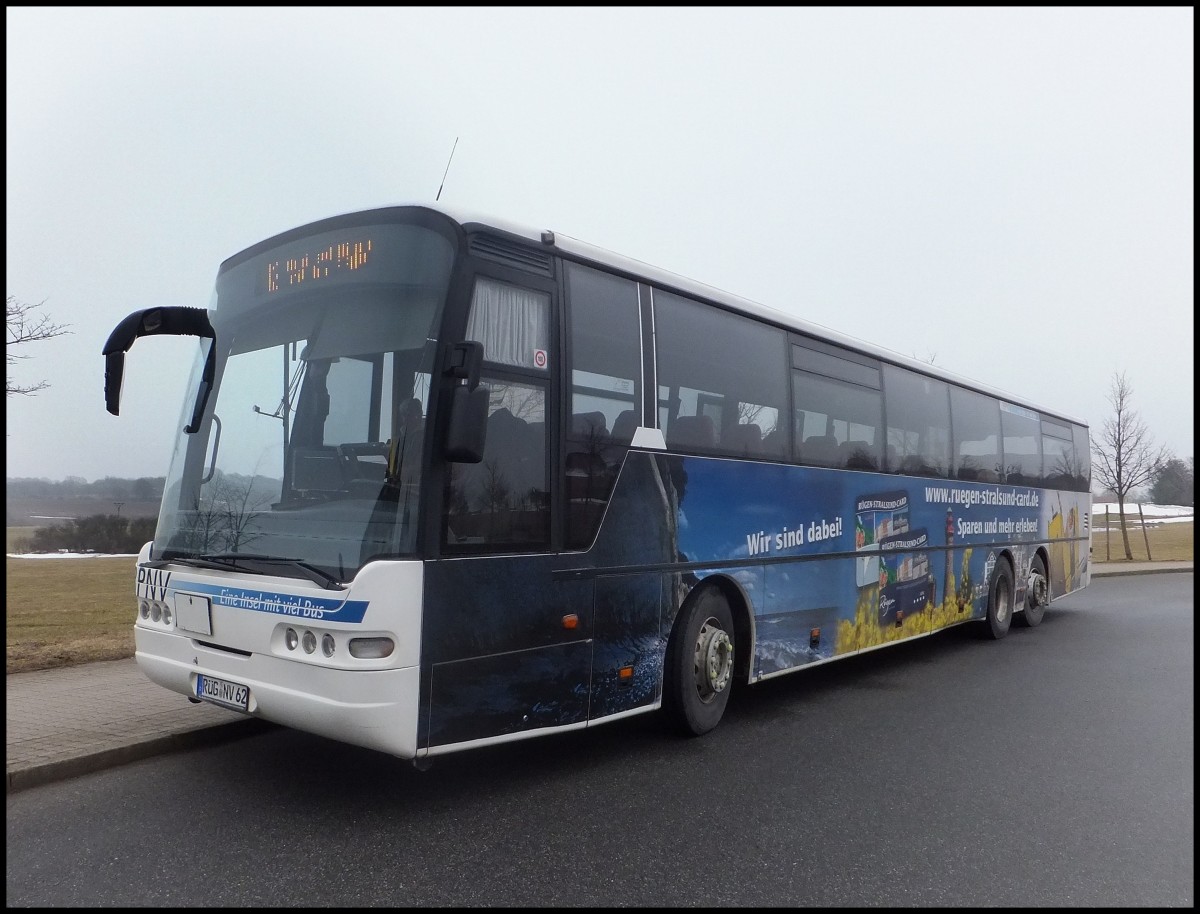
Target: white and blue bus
443,481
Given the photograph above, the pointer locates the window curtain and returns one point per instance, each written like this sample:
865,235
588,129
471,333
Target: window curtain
512,323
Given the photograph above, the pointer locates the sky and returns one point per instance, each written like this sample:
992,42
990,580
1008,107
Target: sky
1006,192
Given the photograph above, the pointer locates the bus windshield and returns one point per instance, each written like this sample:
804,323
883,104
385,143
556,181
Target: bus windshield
308,459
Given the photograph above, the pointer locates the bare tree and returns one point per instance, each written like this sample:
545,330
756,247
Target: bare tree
225,518
24,326
240,509
1126,456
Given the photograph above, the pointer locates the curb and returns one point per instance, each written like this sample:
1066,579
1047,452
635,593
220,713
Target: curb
1125,572
1154,571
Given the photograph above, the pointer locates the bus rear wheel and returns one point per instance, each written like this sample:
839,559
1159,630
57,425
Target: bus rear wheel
700,661
1037,595
1000,601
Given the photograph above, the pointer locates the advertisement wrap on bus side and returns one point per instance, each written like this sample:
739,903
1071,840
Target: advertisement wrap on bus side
914,559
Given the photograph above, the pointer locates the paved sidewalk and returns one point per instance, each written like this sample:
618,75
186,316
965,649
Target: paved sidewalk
75,720
79,719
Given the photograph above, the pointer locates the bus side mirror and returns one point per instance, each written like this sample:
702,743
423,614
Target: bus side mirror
467,430
114,376
147,322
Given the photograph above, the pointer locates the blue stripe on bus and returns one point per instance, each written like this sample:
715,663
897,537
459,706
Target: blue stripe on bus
281,604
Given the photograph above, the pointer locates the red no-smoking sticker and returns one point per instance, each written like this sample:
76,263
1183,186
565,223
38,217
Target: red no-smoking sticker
539,358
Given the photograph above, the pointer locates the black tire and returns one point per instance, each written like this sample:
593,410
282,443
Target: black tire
1000,601
698,674
1037,594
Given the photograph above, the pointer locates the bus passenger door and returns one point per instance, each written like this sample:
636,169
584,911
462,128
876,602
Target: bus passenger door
510,646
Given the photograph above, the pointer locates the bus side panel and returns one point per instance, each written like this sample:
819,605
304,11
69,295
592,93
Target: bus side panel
800,621
831,562
631,639
1069,523
866,558
503,654
634,611
509,693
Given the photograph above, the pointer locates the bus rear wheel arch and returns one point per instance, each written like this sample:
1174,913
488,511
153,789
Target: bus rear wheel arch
701,663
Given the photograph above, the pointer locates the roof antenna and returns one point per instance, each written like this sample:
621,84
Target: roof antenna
447,171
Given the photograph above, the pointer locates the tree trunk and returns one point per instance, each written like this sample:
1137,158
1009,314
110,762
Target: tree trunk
1124,529
1145,533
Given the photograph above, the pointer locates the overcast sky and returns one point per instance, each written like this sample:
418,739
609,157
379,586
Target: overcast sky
1008,192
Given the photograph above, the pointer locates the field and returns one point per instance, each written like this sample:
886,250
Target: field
64,611
35,511
67,611
1168,542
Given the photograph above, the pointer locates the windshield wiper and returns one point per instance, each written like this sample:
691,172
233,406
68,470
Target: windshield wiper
242,561
312,572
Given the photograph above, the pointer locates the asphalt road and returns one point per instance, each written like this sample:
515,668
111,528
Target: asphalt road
1053,768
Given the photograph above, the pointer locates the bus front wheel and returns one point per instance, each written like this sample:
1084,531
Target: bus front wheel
1000,601
1037,595
700,662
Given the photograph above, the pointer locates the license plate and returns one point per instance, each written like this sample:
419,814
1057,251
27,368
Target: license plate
223,693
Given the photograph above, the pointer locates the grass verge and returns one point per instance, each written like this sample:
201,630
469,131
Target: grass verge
66,611
1172,542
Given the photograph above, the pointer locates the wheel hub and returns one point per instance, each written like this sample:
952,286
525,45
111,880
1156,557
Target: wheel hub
1037,588
714,660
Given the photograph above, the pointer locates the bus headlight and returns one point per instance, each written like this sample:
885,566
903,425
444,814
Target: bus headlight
330,646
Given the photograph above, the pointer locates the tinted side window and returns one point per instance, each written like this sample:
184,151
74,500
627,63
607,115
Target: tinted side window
1060,462
1083,459
504,500
722,380
605,406
829,360
976,441
606,354
918,423
1022,445
1060,459
838,424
